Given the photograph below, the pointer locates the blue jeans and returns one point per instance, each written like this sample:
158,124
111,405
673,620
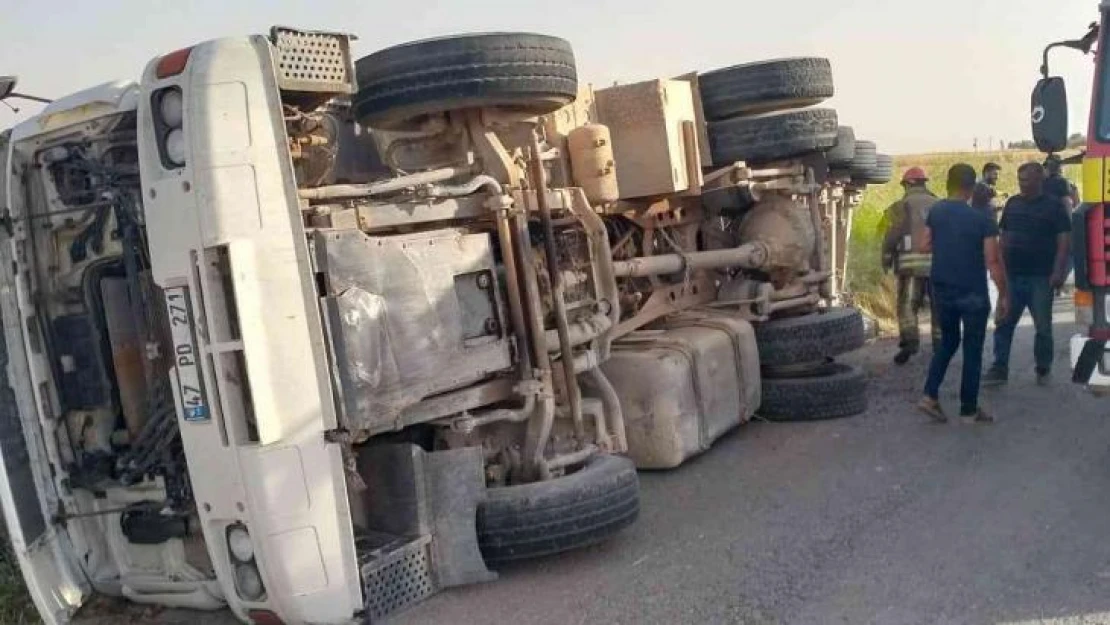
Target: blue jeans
1034,293
955,308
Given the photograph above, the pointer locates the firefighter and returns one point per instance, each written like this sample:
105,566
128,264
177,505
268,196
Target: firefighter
903,251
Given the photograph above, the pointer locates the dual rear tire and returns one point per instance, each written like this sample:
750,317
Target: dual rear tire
755,111
801,382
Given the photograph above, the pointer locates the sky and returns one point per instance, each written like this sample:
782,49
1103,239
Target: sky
931,75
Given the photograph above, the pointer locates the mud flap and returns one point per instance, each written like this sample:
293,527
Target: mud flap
456,486
1089,359
419,531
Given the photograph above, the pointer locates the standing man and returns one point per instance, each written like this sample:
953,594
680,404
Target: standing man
1036,236
904,251
964,243
983,200
1057,186
989,187
988,199
1062,189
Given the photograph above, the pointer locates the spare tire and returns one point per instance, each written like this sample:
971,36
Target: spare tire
772,136
545,518
809,338
842,154
528,73
837,390
765,86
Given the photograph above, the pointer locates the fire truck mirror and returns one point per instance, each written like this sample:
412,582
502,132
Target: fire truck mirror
1049,114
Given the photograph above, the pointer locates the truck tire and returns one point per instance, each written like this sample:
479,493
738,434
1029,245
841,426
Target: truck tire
765,86
841,155
881,173
864,159
545,518
772,136
809,338
524,72
838,391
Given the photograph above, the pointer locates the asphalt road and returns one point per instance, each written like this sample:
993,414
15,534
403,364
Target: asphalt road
882,518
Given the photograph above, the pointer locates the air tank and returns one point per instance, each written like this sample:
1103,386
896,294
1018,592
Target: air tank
592,164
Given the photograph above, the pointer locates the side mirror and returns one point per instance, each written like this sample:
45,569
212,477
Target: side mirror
1049,114
7,86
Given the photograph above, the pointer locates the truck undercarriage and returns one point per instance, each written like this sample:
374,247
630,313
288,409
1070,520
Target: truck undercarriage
519,290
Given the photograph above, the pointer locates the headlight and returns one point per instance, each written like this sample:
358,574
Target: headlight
248,582
239,543
175,147
170,107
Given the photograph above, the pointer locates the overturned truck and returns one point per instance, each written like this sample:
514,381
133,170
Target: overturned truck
313,339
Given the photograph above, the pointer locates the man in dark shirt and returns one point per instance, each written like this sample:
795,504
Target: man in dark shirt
982,198
987,196
1036,235
1057,186
964,243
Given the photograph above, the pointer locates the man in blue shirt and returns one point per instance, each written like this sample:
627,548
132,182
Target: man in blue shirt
964,242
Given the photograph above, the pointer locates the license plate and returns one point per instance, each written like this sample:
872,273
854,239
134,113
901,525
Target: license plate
193,405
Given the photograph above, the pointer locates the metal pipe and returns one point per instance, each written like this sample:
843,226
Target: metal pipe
437,130
513,288
466,188
793,291
32,98
818,263
749,255
586,360
805,300
581,331
815,277
539,427
392,185
558,295
467,424
532,300
574,457
709,179
612,404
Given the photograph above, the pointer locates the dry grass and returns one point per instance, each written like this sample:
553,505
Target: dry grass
874,292
16,607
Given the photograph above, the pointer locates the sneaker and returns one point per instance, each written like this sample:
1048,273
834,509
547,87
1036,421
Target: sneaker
932,407
995,377
903,356
1044,377
979,417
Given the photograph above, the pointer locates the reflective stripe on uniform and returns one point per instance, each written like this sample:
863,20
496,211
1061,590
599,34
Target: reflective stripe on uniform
910,262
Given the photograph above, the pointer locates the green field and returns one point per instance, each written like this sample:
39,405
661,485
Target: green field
870,289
